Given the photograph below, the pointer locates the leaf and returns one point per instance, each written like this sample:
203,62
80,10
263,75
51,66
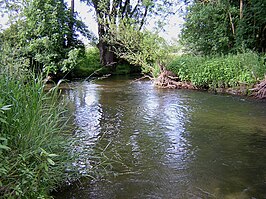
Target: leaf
51,162
3,121
3,139
53,155
4,147
43,152
45,167
5,108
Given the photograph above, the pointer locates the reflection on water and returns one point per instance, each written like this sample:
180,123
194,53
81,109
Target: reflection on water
167,143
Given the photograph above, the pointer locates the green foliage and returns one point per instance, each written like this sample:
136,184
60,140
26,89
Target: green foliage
116,13
40,35
219,71
34,150
138,48
89,64
207,29
217,27
251,31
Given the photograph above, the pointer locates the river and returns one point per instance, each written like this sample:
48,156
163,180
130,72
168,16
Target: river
159,143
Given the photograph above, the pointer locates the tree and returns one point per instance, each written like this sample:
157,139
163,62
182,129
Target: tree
46,35
207,28
139,48
225,26
251,31
125,12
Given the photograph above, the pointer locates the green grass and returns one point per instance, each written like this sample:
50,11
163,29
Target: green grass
34,143
219,71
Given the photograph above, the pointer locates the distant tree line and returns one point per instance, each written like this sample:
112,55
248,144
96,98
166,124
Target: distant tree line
225,26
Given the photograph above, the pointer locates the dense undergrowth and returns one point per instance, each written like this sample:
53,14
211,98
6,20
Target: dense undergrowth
90,66
219,71
34,144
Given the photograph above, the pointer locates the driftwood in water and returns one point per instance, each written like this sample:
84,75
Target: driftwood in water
260,89
168,79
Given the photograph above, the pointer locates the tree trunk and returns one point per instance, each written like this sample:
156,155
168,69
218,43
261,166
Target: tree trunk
107,57
241,9
231,22
70,36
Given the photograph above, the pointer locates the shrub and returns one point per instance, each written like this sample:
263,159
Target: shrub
88,64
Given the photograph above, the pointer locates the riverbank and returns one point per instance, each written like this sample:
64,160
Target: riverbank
234,74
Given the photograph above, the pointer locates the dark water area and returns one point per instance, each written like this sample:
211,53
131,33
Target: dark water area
160,143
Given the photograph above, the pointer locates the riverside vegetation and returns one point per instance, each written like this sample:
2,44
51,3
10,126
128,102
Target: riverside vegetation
223,46
214,72
34,139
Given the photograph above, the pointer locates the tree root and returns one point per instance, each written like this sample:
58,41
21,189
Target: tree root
167,79
260,90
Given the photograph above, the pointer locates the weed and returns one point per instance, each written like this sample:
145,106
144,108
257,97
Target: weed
219,71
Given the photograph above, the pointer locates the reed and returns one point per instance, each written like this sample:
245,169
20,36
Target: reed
34,139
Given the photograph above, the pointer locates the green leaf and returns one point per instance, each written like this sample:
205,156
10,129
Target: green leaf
4,147
52,155
51,162
5,108
3,121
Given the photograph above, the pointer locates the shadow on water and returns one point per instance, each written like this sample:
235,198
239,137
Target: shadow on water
166,143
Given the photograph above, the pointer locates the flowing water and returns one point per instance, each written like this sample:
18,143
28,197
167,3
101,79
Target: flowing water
160,143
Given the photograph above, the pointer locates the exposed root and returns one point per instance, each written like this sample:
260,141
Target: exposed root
260,90
144,77
167,79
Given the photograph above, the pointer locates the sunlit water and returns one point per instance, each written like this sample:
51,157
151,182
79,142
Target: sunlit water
159,143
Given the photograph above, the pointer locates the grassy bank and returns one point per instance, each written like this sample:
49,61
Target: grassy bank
219,71
33,139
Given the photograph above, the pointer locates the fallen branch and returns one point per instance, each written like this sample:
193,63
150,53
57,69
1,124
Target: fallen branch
144,77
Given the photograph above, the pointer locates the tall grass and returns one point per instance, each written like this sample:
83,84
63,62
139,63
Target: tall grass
33,139
219,71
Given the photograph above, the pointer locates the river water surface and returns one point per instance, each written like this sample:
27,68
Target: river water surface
159,143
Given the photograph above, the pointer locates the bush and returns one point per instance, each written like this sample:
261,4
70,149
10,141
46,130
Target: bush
33,147
219,71
88,64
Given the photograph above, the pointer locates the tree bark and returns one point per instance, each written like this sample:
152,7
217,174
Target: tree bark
107,56
70,37
241,9
231,22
